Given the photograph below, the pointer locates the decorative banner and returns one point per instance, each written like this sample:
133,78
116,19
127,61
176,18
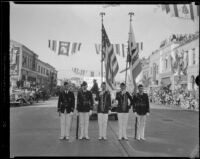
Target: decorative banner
98,48
64,48
186,11
82,72
119,49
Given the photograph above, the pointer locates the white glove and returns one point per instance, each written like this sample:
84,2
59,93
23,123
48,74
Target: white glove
147,114
136,114
90,113
109,111
71,113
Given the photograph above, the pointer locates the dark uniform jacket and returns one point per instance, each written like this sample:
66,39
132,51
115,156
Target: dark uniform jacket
141,104
84,101
123,106
66,101
95,89
104,102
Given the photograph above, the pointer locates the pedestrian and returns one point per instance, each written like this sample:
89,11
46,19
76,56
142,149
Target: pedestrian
66,104
124,102
84,109
103,109
141,110
95,88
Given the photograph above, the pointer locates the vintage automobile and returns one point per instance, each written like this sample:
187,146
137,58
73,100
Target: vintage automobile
20,97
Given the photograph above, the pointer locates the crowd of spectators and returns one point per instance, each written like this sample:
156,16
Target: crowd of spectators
179,97
181,38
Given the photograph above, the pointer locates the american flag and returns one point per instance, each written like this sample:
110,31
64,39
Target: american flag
111,64
133,57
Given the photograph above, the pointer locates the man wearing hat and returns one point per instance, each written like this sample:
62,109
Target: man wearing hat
66,103
84,108
141,109
124,101
103,109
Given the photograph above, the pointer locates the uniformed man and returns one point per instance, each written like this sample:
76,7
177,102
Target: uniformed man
66,104
124,101
141,110
84,109
103,109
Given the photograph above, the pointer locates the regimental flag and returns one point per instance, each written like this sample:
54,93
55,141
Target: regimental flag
52,44
186,11
75,47
117,49
133,56
64,48
98,48
111,64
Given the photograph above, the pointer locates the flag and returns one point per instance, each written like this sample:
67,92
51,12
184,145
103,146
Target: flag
186,11
117,49
111,64
133,51
64,48
123,52
52,44
98,48
75,47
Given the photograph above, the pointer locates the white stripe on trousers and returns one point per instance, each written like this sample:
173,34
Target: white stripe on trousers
102,121
122,121
84,123
65,124
141,126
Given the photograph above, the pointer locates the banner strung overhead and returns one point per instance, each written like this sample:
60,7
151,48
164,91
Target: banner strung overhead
186,11
83,72
63,47
119,49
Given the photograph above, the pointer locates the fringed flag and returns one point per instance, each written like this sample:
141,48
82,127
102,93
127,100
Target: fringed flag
64,48
98,48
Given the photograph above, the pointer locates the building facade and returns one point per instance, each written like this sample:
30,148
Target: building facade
26,70
175,63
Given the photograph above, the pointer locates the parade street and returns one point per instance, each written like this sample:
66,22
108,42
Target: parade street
35,131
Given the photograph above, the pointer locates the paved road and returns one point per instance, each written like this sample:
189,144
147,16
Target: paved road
34,131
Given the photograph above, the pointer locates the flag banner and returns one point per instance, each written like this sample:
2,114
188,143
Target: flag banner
185,11
75,47
79,46
14,60
52,44
117,49
133,51
98,48
123,51
92,73
73,50
111,64
64,48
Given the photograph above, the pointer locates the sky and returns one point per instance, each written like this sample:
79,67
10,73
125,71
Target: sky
33,25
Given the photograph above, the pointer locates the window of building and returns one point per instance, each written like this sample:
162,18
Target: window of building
38,68
193,57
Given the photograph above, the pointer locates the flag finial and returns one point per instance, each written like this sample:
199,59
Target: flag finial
131,14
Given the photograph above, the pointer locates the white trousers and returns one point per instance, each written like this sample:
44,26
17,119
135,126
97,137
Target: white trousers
102,121
65,124
84,123
122,121
141,126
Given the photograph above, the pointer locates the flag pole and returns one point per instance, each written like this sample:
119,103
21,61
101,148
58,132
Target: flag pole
128,52
102,14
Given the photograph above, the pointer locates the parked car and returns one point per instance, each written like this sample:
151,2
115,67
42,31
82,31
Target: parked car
20,97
